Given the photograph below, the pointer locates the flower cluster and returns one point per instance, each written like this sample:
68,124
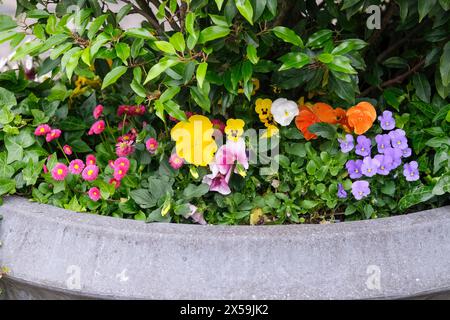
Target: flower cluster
392,147
130,110
49,133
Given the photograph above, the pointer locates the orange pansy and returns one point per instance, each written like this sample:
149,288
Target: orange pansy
361,117
324,112
305,118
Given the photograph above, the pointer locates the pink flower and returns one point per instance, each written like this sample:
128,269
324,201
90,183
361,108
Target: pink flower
115,182
125,148
90,173
218,124
130,136
52,135
131,110
90,159
45,169
121,124
59,172
123,109
111,164
42,130
67,150
94,194
98,110
119,173
139,110
122,163
76,166
218,181
196,216
97,128
175,161
151,145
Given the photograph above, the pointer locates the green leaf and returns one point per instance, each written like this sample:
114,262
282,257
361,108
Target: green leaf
95,25
7,98
201,73
445,4
245,9
341,64
6,22
32,171
123,52
212,33
252,55
169,94
349,45
423,89
294,60
219,4
55,53
324,130
319,38
288,35
177,41
424,7
444,65
27,49
159,68
165,47
193,191
201,99
174,110
123,12
112,76
139,33
7,185
143,198
72,123
416,196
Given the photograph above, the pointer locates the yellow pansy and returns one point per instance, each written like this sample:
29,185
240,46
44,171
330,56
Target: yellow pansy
271,130
194,141
262,108
234,129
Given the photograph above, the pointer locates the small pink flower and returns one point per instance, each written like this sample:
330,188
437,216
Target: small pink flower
123,109
76,166
45,169
52,135
98,110
90,159
42,130
67,150
122,163
175,161
94,194
59,172
139,110
218,124
125,148
130,136
111,164
97,128
90,173
119,173
115,182
151,145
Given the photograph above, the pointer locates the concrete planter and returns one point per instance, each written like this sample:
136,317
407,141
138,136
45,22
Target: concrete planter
55,253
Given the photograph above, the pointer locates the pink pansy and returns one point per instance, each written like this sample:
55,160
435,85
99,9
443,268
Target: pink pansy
175,161
151,145
218,124
90,173
97,128
98,110
125,148
76,166
67,150
119,173
42,130
94,194
228,154
122,163
218,181
52,135
114,182
59,172
90,159
196,216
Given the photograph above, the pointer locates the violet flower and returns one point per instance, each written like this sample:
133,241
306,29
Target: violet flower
347,144
342,194
387,122
383,142
396,156
363,147
411,171
398,139
407,153
385,164
354,168
360,189
370,166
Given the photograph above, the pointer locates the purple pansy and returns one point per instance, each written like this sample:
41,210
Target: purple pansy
411,171
406,153
385,164
347,144
383,142
342,194
396,156
363,147
398,139
370,166
387,122
360,189
354,168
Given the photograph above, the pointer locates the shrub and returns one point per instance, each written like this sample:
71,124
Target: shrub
149,105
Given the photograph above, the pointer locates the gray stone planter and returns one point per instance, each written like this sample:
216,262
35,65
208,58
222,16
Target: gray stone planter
54,253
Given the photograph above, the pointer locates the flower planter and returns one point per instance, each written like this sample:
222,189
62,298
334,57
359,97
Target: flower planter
55,253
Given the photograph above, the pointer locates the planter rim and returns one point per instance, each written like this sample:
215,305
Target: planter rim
215,262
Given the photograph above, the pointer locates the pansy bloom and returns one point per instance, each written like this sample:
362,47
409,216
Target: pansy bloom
59,172
354,168
398,139
363,147
347,144
90,173
361,117
387,122
76,166
42,130
284,111
360,189
411,171
94,194
385,164
396,156
383,141
370,166
304,120
342,194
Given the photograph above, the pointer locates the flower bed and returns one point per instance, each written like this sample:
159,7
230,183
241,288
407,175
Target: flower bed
237,114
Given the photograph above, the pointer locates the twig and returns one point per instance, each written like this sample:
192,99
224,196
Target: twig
150,18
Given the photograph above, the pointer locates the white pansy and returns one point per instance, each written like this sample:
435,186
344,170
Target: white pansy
284,111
